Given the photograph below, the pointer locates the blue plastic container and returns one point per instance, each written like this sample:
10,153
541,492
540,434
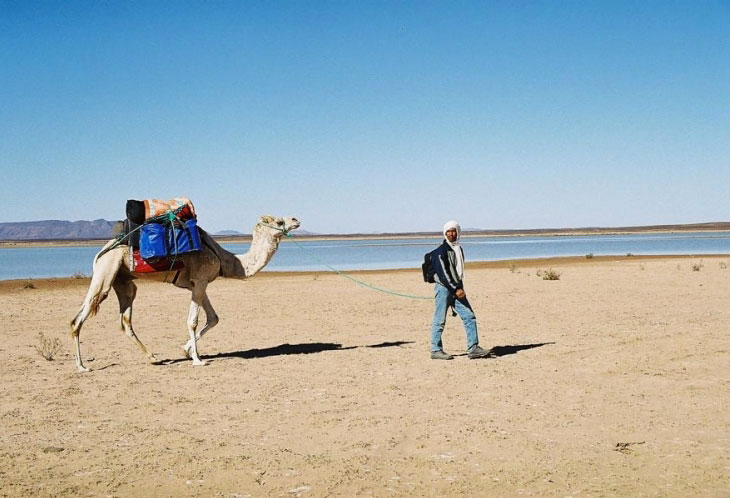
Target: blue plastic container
184,239
152,241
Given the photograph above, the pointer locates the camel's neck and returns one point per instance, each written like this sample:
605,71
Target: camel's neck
263,247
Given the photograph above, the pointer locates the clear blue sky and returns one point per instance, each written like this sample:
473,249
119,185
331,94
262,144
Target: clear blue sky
368,116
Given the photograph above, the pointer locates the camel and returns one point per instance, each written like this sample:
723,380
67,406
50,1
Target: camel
112,269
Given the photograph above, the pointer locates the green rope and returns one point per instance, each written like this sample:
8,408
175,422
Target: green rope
171,217
119,240
168,216
360,282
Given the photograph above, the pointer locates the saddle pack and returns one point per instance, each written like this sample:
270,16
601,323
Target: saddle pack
159,231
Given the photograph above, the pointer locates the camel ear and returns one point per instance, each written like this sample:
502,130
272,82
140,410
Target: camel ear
267,218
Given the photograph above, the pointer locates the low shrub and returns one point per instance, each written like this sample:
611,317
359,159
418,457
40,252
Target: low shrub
46,347
550,275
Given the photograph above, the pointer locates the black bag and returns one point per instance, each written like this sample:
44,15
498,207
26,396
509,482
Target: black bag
135,211
427,268
131,228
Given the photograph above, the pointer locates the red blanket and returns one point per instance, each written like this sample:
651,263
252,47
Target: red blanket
149,266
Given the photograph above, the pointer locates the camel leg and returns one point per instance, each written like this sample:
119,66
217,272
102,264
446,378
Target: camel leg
211,320
126,292
104,273
197,301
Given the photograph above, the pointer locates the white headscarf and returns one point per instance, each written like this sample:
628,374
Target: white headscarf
456,246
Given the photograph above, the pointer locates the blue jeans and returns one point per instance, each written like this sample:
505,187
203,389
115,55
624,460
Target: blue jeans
443,300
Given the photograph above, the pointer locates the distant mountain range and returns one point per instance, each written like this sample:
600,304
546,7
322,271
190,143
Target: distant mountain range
103,229
56,229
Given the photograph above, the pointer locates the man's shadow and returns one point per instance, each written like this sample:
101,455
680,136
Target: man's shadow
498,351
287,349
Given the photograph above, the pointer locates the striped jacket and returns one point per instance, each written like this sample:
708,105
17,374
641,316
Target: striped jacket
443,261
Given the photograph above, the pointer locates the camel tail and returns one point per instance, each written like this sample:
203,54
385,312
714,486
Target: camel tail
94,305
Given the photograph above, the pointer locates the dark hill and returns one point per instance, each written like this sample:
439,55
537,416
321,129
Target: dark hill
56,229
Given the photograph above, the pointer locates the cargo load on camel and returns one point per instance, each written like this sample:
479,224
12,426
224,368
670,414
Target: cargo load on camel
160,231
141,212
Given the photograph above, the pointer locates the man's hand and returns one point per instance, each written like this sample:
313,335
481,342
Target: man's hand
460,294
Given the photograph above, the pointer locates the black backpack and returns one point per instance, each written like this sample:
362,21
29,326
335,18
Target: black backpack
427,268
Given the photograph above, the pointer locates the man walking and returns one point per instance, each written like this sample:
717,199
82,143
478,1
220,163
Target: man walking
447,262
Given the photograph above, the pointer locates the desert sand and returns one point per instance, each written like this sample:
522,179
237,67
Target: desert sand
611,381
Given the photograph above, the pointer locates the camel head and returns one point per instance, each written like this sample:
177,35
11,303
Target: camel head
275,226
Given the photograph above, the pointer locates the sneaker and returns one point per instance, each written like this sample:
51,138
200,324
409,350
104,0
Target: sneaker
477,352
441,355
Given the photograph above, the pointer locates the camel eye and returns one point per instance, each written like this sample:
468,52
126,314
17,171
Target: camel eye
280,222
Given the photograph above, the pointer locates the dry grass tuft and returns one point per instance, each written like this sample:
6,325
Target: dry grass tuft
550,275
46,347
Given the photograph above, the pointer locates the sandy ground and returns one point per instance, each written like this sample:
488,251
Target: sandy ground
612,381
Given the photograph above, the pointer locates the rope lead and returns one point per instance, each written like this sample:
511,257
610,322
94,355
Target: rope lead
360,282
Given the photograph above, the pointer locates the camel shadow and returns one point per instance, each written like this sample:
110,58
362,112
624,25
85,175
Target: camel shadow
304,348
281,349
286,349
499,351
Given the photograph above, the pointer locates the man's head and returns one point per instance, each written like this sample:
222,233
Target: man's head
452,231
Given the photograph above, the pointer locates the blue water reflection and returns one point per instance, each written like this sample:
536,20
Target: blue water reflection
408,253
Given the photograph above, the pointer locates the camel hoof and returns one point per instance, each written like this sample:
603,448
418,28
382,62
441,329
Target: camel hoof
154,360
82,369
199,363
